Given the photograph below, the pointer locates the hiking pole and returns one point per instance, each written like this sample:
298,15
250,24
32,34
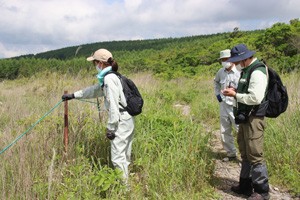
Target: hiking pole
66,125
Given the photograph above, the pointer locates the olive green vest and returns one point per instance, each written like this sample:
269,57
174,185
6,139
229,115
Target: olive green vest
243,87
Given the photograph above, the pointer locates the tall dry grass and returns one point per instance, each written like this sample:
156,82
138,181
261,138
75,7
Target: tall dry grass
23,102
164,137
171,156
282,140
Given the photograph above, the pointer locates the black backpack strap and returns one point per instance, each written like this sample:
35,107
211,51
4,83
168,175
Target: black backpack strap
255,108
112,72
116,73
120,77
254,68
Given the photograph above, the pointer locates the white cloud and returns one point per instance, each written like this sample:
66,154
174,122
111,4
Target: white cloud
28,26
5,52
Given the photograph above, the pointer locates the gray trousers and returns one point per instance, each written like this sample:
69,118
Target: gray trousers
121,146
227,126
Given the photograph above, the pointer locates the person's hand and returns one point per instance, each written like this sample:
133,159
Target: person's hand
67,97
219,98
229,92
110,134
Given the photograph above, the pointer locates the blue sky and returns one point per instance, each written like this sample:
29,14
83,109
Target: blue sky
34,26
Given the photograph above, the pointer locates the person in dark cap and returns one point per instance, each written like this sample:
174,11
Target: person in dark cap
253,181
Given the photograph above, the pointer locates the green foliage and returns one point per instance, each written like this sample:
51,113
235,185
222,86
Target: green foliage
281,152
288,64
168,58
282,141
107,178
180,111
9,69
236,33
171,153
163,130
278,40
277,37
27,67
164,136
82,180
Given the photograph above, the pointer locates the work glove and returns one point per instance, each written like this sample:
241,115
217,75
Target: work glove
219,98
110,134
67,97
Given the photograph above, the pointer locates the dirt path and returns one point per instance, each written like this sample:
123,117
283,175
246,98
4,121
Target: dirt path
227,174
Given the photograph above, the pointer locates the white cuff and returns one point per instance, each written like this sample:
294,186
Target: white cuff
78,94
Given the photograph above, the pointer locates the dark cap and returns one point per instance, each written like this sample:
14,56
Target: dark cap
240,52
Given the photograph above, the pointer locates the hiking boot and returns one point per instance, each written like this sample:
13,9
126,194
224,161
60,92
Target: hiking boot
226,159
257,196
244,187
238,190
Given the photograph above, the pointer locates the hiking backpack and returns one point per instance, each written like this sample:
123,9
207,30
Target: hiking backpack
276,99
132,95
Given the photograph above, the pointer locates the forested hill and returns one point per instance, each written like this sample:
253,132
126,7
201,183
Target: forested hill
168,57
129,45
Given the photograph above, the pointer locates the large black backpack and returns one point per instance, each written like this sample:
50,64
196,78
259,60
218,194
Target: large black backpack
132,95
276,99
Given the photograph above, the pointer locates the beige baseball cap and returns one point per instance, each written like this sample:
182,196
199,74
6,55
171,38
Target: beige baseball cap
101,55
225,54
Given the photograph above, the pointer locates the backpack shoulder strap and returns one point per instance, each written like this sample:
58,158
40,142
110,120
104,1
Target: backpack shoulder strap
258,65
113,72
120,77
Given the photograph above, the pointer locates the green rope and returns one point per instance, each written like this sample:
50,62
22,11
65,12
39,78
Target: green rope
86,101
32,126
97,103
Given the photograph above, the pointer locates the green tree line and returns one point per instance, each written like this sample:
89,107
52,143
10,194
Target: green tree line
168,57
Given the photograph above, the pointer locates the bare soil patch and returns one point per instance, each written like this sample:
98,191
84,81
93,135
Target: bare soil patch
227,174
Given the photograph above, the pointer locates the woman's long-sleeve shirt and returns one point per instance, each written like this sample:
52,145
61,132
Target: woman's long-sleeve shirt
113,98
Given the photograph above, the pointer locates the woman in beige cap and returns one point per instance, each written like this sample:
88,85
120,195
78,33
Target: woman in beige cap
120,125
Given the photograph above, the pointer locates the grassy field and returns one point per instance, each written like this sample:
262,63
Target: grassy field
171,154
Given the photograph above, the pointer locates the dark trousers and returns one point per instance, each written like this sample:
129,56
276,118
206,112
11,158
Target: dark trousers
250,140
